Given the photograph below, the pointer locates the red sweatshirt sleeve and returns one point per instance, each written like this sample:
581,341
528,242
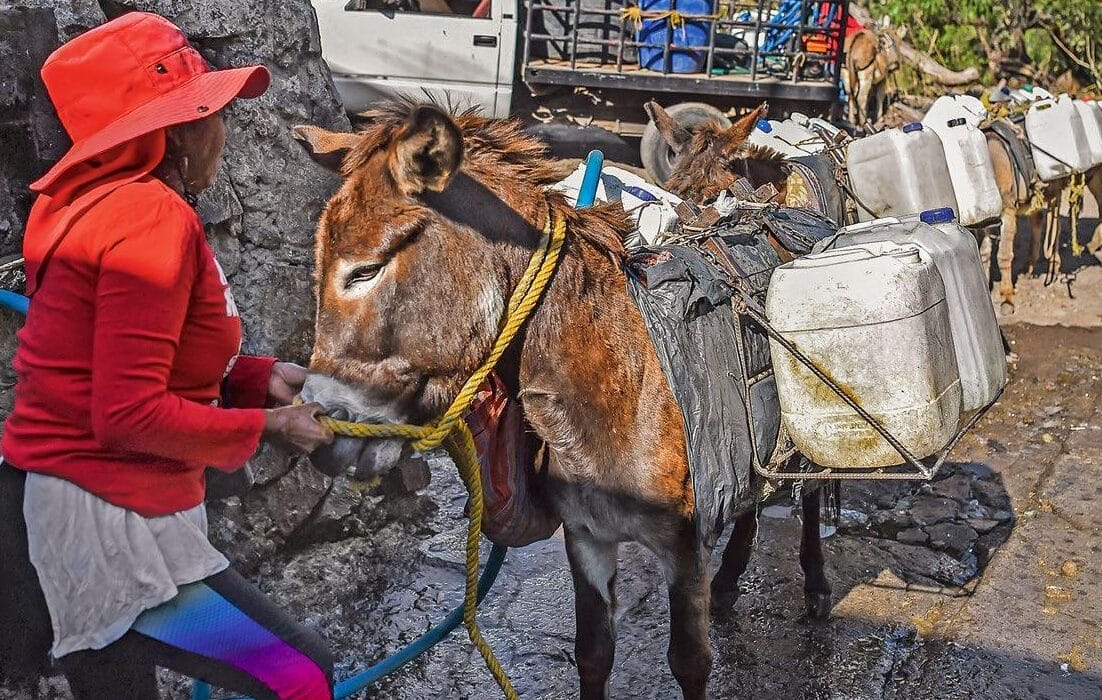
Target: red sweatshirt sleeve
246,386
143,290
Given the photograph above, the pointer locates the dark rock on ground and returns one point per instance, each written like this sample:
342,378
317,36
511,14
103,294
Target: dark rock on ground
291,500
990,494
927,566
929,510
332,519
889,523
958,487
955,538
982,526
409,476
913,535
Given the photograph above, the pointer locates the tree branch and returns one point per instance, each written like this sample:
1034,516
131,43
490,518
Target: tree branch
1068,51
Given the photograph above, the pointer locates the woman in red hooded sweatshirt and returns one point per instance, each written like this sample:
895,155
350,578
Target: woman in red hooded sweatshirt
130,384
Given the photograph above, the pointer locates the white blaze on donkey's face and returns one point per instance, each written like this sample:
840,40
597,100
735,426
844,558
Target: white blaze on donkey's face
361,458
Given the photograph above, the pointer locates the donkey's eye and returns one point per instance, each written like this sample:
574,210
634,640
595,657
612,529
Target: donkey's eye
362,273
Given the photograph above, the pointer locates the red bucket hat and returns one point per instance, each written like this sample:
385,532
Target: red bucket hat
132,76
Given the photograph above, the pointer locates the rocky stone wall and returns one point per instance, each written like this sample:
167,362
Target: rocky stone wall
260,218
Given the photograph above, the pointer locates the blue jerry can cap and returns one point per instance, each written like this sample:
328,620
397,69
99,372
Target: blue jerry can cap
764,125
913,126
944,215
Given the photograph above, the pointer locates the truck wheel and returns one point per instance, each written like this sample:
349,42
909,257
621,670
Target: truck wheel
656,154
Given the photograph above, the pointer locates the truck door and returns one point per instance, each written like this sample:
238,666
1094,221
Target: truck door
461,52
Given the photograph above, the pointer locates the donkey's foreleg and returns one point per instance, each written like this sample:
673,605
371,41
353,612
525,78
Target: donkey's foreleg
1037,229
816,587
1005,259
690,652
736,557
864,96
1094,184
593,567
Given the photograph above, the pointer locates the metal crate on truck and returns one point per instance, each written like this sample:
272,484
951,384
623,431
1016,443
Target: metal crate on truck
768,49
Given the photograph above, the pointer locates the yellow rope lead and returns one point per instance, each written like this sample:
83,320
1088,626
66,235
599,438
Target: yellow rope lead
1076,185
452,433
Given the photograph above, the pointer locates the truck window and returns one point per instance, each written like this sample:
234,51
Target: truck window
478,9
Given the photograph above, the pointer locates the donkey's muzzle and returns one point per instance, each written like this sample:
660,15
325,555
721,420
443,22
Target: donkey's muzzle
359,458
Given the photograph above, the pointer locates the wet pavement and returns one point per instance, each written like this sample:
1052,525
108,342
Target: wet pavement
983,585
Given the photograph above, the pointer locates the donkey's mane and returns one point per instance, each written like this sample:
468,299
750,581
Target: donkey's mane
498,153
763,153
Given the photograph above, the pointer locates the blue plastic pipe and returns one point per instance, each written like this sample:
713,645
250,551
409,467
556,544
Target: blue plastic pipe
592,177
363,679
15,302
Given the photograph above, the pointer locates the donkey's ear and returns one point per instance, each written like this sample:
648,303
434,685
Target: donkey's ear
740,130
427,151
328,148
677,136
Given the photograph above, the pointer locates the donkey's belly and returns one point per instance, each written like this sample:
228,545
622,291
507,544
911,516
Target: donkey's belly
609,514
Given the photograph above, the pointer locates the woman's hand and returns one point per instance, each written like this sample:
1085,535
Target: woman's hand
285,383
297,427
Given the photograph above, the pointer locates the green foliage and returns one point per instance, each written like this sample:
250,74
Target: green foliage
1057,35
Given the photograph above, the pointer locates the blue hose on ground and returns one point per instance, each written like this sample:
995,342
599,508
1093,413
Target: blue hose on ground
592,177
356,683
15,302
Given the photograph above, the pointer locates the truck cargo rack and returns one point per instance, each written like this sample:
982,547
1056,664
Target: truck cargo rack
761,49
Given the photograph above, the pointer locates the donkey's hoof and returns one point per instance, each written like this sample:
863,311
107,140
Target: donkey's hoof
723,601
819,604
1007,308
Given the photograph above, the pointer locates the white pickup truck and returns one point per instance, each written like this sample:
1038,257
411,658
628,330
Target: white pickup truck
588,62
378,53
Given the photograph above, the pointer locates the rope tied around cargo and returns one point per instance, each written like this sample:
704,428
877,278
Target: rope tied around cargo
452,433
1036,197
1077,184
634,15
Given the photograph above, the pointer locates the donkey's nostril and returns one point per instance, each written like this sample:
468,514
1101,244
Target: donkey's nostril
339,414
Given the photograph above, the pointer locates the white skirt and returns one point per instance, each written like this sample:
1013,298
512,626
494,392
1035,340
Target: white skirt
101,566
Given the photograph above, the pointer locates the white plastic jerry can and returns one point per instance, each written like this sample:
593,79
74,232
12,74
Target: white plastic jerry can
803,141
970,168
780,138
1057,138
1091,117
977,341
1030,93
874,317
823,129
899,172
949,107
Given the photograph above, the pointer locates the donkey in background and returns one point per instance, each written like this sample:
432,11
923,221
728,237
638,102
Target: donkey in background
415,256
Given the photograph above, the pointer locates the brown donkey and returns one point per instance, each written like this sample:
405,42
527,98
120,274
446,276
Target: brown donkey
416,255
710,158
1016,196
872,55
